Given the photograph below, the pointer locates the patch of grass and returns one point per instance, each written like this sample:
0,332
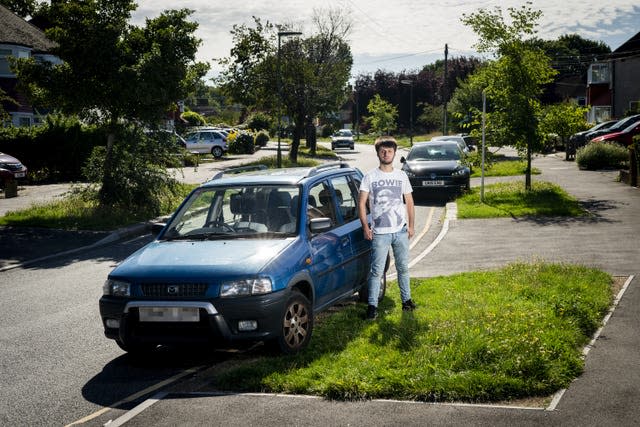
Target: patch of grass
79,212
477,337
510,199
505,168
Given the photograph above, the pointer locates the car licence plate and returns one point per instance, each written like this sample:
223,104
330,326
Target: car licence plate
19,174
169,314
432,183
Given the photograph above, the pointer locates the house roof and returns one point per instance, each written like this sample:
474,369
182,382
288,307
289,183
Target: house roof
17,31
630,46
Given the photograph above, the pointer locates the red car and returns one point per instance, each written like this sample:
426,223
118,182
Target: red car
11,168
624,137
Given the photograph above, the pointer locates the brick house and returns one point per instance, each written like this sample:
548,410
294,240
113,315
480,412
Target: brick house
20,39
613,85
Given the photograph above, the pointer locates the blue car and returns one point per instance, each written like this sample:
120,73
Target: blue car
250,256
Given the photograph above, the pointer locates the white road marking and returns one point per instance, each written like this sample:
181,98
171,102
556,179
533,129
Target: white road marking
136,396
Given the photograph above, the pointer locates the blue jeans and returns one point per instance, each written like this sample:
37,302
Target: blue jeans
380,245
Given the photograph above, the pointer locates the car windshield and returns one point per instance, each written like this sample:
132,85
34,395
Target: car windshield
434,152
343,133
236,212
624,123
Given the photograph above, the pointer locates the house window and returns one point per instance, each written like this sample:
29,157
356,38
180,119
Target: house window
599,73
600,113
4,61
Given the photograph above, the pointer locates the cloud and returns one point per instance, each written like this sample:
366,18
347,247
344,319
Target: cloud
384,30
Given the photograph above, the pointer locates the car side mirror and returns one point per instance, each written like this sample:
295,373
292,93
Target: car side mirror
403,160
318,225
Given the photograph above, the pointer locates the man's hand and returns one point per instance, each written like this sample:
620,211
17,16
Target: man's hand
368,233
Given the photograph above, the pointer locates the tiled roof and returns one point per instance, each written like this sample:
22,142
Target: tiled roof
15,30
630,46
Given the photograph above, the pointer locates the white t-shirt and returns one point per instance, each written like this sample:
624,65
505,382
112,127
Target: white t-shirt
388,211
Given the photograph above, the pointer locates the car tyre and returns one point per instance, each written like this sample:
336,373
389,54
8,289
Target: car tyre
217,152
297,324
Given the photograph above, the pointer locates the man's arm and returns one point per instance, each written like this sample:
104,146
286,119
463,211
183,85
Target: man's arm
362,214
408,199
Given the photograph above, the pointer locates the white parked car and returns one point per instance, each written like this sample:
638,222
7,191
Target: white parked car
205,141
465,142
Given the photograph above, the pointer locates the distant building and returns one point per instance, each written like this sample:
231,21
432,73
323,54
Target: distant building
613,85
20,39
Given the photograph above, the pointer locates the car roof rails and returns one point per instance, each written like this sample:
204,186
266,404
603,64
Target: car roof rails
237,170
334,165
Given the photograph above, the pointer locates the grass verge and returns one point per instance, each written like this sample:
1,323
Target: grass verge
476,337
505,168
510,199
76,212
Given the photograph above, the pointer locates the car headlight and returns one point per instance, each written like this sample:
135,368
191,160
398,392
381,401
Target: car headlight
459,172
245,287
116,288
409,173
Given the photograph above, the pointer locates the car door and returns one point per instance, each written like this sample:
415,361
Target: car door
330,250
346,189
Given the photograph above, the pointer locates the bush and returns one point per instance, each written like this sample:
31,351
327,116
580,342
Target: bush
137,177
599,155
262,138
193,118
55,151
242,143
260,120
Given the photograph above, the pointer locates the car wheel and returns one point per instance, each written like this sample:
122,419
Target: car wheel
217,152
297,324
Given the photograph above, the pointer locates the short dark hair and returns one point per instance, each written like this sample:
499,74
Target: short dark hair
386,141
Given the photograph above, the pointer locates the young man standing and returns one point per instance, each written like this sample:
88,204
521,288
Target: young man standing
392,222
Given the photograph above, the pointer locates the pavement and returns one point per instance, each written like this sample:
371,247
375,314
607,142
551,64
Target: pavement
608,391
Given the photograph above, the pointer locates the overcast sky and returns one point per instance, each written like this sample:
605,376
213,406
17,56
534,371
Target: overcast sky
397,35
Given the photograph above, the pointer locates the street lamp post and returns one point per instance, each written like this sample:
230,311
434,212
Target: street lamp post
410,84
281,34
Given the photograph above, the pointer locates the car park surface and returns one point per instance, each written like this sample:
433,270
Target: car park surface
437,167
247,257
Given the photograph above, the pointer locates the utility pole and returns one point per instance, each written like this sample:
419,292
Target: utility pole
445,90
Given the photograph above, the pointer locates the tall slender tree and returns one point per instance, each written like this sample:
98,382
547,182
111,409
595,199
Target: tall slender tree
517,77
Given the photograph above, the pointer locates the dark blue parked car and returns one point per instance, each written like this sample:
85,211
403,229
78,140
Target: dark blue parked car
250,256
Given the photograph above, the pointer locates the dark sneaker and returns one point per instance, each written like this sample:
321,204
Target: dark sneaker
408,305
372,312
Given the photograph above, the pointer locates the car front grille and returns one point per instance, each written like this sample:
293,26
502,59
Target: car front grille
171,290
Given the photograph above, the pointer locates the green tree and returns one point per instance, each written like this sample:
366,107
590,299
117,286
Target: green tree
563,119
22,8
114,73
516,78
382,116
307,80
